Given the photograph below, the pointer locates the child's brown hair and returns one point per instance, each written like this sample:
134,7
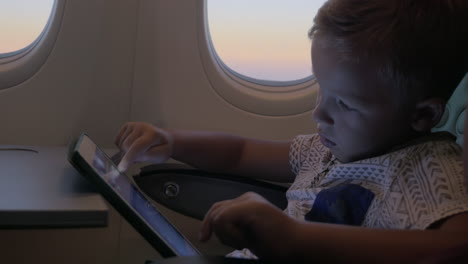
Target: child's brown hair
419,45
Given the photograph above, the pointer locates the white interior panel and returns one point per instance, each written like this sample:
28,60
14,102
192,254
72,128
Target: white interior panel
182,96
84,85
121,60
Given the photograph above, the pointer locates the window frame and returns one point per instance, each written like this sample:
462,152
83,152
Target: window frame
250,94
19,66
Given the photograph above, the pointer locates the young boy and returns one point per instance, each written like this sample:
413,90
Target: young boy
373,185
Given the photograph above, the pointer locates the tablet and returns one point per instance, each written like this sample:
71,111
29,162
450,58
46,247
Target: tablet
127,199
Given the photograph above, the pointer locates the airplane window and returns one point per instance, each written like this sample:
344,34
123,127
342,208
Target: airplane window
21,23
263,40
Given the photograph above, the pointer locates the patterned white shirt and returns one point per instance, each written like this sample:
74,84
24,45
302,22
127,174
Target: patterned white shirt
411,187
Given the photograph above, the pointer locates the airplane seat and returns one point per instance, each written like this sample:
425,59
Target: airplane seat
191,192
453,119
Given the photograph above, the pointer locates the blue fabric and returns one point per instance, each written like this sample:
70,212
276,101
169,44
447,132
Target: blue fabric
344,204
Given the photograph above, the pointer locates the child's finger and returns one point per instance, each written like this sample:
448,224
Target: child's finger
231,234
207,225
125,133
129,140
123,166
119,134
136,149
228,224
117,157
205,230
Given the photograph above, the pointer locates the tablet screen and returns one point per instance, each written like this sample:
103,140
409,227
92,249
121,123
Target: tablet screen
125,188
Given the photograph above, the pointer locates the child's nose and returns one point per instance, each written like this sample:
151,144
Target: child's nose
321,114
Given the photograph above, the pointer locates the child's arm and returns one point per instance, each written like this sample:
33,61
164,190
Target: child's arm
213,151
251,222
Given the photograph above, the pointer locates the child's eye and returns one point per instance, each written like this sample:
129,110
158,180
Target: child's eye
343,105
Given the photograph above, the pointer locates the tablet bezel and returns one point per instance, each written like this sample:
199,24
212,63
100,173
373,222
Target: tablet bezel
119,203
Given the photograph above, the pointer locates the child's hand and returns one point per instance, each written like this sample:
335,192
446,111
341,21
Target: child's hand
143,142
250,221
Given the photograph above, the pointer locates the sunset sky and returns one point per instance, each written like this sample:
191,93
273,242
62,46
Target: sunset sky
264,39
21,22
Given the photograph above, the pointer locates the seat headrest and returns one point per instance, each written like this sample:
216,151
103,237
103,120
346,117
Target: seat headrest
454,114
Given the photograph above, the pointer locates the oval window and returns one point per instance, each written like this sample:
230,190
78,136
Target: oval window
21,23
264,40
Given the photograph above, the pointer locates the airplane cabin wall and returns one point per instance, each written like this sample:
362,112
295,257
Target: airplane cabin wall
123,60
85,83
171,88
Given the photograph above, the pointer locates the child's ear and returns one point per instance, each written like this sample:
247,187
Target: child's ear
427,114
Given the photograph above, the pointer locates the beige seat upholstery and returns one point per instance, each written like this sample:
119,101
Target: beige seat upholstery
454,115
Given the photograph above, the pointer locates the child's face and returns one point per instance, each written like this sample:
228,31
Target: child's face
356,113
